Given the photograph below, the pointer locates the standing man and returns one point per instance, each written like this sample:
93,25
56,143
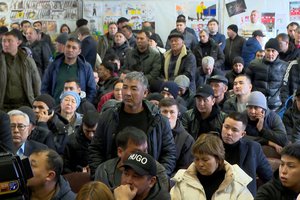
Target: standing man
254,25
127,31
88,45
291,29
133,111
143,58
20,80
213,27
70,65
234,45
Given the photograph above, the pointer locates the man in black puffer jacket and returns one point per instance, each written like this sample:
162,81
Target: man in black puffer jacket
133,111
267,74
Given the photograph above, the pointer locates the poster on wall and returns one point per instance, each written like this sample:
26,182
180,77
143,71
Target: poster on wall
198,13
295,11
268,19
236,7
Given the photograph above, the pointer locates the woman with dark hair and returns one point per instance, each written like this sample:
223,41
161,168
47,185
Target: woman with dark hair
64,28
210,176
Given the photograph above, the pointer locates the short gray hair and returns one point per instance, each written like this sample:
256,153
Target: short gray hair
138,76
208,60
19,113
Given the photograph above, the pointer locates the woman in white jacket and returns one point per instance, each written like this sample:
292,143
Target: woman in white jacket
210,176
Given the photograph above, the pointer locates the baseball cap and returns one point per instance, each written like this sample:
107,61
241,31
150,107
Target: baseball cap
175,34
204,91
258,33
142,163
218,78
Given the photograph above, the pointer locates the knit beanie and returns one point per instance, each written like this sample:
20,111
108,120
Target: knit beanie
182,81
257,98
273,44
238,59
71,93
171,87
62,38
47,99
233,27
154,96
27,110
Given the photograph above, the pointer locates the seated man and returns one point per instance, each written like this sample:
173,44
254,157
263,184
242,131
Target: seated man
219,84
129,140
241,88
185,92
206,116
76,151
291,119
47,181
286,183
139,179
19,124
245,153
264,125
183,140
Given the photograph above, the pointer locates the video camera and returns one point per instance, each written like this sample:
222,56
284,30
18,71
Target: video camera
14,173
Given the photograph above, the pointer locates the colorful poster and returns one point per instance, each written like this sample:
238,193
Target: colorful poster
268,19
295,11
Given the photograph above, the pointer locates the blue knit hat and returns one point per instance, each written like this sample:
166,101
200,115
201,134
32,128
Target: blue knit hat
170,87
73,94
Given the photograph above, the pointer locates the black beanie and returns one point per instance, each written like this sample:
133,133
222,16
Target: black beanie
233,27
273,44
47,99
238,59
27,110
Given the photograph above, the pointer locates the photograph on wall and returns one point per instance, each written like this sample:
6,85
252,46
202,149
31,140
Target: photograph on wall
268,19
92,9
236,7
295,11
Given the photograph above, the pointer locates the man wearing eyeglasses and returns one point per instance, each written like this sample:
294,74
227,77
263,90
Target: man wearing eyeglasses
19,124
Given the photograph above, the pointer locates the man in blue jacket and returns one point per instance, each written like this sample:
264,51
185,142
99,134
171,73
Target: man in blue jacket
69,65
243,152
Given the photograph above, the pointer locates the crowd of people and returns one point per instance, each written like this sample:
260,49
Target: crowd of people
186,120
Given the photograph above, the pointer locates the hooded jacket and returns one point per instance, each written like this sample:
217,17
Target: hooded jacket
234,186
64,191
250,47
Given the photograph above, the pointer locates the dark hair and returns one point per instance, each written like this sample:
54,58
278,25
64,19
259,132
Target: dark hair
116,82
25,22
90,118
54,161
167,102
135,135
211,144
212,20
180,20
73,80
37,22
237,116
64,25
15,33
81,22
74,39
292,150
292,24
243,75
112,67
110,57
112,23
147,33
93,191
283,36
181,16
127,27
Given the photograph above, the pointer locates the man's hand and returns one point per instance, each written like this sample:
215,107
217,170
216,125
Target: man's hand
260,123
45,116
125,192
276,146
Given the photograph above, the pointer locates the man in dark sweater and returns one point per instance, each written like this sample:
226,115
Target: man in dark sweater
245,153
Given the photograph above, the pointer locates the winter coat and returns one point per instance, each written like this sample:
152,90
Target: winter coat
85,77
148,62
185,65
234,185
201,78
64,191
189,38
160,140
220,39
215,51
292,53
250,47
89,50
76,152
192,125
120,51
104,42
233,49
273,130
6,142
275,190
231,75
267,78
291,120
30,78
